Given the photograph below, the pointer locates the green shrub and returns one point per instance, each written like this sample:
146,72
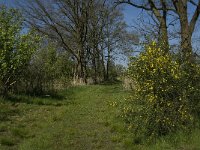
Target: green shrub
165,94
16,48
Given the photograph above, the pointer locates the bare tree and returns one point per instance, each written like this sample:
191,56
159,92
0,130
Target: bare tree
187,27
89,30
161,9
64,21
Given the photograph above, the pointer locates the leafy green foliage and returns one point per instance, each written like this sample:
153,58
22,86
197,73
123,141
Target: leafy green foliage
48,70
165,93
15,48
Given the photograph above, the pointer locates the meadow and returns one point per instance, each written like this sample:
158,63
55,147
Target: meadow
84,117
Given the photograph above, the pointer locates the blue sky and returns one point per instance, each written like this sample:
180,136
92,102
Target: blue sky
7,2
130,13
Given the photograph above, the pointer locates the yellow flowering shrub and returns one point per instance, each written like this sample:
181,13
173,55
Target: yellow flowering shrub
163,95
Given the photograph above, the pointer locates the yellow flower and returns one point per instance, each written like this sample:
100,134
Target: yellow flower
168,104
154,43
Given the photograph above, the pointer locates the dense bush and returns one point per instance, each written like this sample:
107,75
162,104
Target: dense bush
165,94
49,70
16,48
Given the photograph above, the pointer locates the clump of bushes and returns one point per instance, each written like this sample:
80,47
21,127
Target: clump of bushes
165,95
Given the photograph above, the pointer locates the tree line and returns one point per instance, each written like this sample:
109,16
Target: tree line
91,31
46,44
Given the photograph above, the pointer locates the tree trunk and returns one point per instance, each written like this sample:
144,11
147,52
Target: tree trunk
108,66
104,70
85,72
186,35
186,46
95,71
103,65
163,37
79,75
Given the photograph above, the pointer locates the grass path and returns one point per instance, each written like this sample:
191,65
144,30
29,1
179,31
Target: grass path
83,120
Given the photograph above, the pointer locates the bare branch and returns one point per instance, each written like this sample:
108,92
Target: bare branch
194,18
133,4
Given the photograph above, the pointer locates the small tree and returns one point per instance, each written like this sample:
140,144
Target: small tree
15,48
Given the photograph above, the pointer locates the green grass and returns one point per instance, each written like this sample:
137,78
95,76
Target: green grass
84,117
